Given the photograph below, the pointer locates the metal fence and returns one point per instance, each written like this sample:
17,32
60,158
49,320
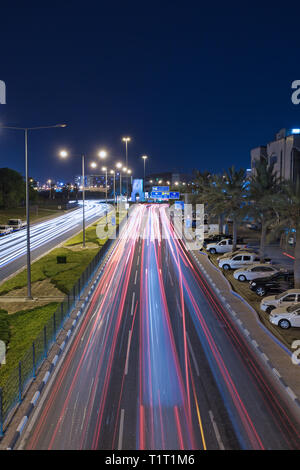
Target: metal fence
13,391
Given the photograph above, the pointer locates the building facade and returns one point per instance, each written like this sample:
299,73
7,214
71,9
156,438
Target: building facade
283,152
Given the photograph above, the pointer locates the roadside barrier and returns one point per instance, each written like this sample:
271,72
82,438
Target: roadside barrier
13,391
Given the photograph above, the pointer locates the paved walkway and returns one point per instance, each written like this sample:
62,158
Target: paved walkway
274,354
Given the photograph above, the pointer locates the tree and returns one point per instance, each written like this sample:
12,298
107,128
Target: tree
227,195
263,194
12,188
288,206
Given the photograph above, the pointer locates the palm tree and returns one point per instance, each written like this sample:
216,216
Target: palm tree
288,206
263,194
227,195
207,194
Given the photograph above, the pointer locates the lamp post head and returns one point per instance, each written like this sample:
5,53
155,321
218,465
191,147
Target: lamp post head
119,165
63,154
102,154
94,165
126,139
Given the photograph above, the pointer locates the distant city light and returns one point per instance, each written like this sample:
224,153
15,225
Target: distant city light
295,131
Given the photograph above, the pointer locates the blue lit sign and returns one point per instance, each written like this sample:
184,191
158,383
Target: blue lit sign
164,189
179,205
174,195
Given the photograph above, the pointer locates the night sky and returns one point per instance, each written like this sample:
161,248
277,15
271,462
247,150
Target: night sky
195,84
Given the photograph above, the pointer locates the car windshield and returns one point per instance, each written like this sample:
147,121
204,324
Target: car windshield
2,227
292,308
278,296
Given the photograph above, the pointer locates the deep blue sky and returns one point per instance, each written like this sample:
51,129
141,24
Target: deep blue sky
195,84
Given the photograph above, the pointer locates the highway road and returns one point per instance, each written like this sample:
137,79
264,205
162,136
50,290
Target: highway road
157,362
44,236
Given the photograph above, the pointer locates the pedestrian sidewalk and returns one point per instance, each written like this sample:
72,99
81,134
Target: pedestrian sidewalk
274,355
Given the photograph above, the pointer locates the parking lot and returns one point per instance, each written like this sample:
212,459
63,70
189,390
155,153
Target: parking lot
281,257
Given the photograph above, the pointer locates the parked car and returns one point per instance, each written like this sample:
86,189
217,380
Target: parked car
214,238
253,226
254,271
275,284
289,297
285,317
237,252
224,246
5,230
16,224
239,260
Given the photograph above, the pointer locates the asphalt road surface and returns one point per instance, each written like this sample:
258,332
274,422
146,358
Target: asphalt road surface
44,236
157,362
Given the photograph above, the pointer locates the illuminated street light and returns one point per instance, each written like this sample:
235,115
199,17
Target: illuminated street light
64,154
144,157
102,154
112,172
126,140
25,130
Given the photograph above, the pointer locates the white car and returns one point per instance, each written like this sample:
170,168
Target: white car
285,299
254,271
237,252
224,246
5,230
239,260
285,317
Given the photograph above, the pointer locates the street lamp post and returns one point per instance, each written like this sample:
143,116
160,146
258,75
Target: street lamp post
126,140
112,172
65,154
101,154
119,166
25,130
129,173
104,168
83,201
144,157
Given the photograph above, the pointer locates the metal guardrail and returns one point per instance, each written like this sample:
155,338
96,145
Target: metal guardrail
15,387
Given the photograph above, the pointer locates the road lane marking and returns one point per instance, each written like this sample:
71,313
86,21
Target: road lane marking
121,429
193,355
132,303
221,445
127,353
135,277
138,260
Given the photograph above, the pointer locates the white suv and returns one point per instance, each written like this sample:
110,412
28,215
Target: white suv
289,297
238,260
254,271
